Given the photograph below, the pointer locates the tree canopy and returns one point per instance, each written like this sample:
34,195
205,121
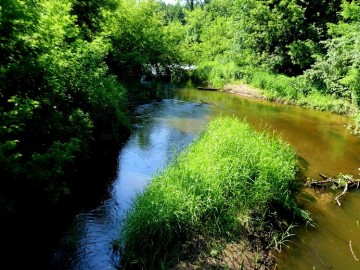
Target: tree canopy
61,68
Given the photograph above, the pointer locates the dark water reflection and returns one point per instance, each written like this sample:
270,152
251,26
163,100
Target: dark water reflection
163,128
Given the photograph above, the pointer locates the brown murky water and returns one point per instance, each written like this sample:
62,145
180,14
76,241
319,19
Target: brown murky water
321,140
324,145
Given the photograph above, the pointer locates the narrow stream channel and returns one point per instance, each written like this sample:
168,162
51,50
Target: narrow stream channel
163,128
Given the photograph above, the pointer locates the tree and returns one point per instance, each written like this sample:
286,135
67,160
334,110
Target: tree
55,89
284,34
139,44
338,71
89,15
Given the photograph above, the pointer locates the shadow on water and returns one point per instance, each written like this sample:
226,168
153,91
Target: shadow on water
30,239
163,127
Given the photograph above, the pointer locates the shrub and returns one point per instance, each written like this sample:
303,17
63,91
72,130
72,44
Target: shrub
217,72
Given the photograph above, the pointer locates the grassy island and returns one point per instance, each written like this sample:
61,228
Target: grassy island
231,184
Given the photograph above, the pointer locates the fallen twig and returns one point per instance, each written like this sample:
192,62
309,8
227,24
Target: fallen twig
352,251
342,194
323,176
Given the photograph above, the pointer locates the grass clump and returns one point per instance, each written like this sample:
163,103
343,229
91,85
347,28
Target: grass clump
217,73
296,90
328,103
276,86
229,182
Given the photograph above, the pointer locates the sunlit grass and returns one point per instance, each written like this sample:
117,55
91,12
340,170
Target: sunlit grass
291,90
217,73
225,183
328,103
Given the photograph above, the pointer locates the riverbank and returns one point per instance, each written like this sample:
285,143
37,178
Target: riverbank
315,101
230,255
243,90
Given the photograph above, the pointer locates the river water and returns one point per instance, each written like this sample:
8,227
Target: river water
163,128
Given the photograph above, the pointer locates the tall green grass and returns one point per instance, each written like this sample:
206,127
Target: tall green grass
275,85
217,72
292,90
327,103
226,183
295,90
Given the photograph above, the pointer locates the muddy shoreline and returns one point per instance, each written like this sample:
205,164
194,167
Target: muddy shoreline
246,90
230,255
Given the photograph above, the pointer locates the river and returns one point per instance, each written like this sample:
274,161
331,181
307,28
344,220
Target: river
163,128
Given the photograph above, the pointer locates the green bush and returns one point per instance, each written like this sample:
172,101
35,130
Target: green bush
225,183
276,86
298,90
57,99
327,103
217,72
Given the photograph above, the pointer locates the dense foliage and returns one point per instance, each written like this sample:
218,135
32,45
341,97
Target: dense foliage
225,184
303,52
53,83
61,94
337,71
